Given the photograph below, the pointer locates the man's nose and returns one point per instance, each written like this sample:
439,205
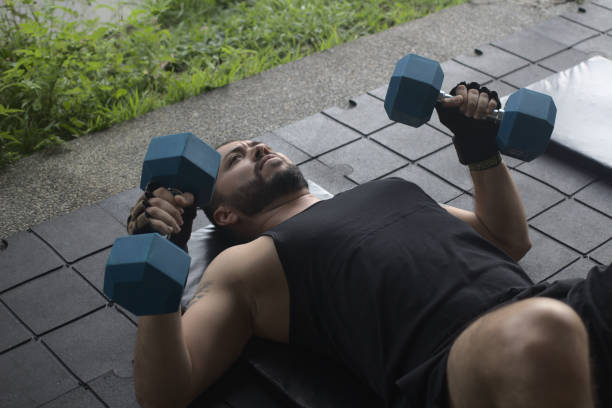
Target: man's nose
260,150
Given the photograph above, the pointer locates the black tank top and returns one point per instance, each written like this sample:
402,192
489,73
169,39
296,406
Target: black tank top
381,278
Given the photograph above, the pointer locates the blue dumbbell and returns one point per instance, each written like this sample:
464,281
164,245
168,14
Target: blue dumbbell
525,125
146,273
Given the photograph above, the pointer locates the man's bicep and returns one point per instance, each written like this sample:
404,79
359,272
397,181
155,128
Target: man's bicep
472,220
216,328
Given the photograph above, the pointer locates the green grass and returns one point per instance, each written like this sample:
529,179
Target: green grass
61,79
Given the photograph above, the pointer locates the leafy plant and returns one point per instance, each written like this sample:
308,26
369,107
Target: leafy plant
62,76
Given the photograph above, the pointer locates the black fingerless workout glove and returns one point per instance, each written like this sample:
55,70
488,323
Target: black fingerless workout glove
474,139
139,221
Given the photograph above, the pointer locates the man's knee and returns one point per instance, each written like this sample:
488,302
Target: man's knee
537,343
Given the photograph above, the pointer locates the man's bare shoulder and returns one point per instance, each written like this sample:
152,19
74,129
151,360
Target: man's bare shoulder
243,262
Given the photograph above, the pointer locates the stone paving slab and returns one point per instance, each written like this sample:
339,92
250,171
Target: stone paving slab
63,344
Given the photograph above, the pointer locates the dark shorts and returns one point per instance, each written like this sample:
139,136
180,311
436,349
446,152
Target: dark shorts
591,298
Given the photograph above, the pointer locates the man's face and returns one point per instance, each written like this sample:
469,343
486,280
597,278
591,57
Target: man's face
252,176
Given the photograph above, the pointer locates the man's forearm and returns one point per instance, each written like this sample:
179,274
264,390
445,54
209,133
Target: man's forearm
162,365
499,208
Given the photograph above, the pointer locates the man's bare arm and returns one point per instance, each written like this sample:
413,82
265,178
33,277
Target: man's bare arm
498,213
177,357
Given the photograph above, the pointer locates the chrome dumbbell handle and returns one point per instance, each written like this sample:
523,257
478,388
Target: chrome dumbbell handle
496,115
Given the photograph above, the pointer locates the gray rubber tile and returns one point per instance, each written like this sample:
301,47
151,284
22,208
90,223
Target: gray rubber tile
464,202
52,300
76,398
536,197
598,195
317,134
96,344
545,257
601,45
562,31
25,257
446,165
380,93
564,60
502,88
493,61
119,205
81,232
12,332
117,392
455,73
530,45
578,269
511,162
603,254
330,178
31,376
92,268
413,143
565,176
603,3
597,18
367,114
364,160
527,76
575,225
279,145
435,187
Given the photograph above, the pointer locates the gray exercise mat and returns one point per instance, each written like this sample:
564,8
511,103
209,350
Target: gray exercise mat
583,95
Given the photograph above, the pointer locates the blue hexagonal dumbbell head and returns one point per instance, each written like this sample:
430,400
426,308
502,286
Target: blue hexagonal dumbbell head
146,274
527,124
413,90
184,162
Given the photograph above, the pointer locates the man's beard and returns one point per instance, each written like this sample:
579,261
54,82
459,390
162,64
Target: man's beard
258,194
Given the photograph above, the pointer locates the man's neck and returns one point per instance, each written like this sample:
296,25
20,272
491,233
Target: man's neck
281,210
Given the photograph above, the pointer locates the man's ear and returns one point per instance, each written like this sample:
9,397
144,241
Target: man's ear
225,216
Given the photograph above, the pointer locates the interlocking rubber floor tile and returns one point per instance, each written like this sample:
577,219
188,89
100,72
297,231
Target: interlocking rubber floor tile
578,269
530,45
117,392
536,197
31,376
502,88
364,160
562,31
77,398
464,202
96,344
545,257
603,3
455,73
493,61
564,60
566,176
436,188
380,93
598,195
280,145
526,76
317,134
119,205
92,268
575,225
330,178
598,18
25,257
81,232
601,45
603,254
11,331
410,142
366,116
446,165
52,300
